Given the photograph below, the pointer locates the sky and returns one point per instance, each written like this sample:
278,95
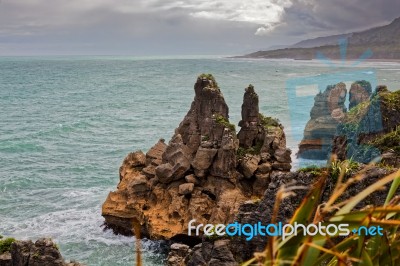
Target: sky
178,27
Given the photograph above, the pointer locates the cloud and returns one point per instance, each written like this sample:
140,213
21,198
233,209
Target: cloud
177,26
314,18
50,13
265,13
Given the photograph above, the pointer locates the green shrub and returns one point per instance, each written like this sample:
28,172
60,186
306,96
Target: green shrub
392,99
300,249
5,244
356,113
312,169
267,121
388,141
224,122
254,150
346,167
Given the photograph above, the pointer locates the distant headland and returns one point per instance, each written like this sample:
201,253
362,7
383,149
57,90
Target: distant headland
382,41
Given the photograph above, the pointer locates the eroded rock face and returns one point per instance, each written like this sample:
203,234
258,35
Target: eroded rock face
371,129
201,173
43,252
250,119
359,93
262,143
178,253
327,112
210,253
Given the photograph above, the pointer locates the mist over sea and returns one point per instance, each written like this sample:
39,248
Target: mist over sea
66,124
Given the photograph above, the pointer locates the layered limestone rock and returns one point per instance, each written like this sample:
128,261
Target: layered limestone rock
205,172
327,112
44,252
262,143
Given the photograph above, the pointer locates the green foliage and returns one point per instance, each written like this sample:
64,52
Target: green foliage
332,249
224,122
254,150
209,77
267,121
356,113
346,167
312,169
392,99
388,141
5,244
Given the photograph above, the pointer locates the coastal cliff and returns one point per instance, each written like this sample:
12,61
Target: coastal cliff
371,129
232,251
368,130
205,172
208,173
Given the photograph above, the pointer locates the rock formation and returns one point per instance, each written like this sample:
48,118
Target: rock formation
209,252
262,141
360,92
359,134
43,252
205,172
252,212
371,129
326,114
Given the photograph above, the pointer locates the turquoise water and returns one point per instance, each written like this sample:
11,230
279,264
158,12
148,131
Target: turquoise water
66,124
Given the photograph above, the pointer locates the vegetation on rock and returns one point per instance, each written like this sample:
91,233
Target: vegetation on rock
389,141
346,167
5,244
254,150
331,249
209,77
267,121
224,122
312,169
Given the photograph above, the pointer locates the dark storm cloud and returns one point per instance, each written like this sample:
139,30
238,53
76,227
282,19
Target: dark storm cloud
313,18
177,27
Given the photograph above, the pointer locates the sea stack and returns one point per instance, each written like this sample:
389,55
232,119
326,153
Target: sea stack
205,172
327,112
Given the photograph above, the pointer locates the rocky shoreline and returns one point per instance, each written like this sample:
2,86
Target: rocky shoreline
43,252
212,175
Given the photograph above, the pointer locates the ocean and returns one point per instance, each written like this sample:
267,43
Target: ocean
66,124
